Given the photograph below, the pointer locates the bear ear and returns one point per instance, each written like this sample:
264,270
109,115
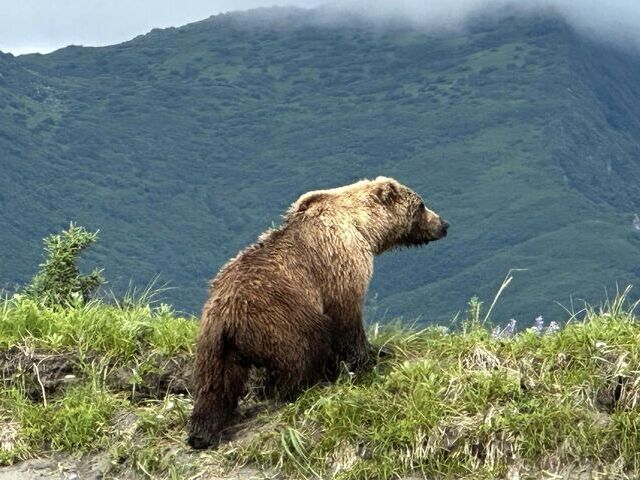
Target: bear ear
386,193
306,200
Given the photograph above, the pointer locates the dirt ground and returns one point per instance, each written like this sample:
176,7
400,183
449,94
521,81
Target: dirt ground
59,467
91,467
44,373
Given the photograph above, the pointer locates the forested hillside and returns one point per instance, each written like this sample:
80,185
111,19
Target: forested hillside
182,145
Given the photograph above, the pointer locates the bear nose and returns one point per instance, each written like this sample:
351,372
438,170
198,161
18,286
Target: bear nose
444,225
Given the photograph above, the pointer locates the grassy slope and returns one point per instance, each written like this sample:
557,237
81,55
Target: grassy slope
182,145
446,405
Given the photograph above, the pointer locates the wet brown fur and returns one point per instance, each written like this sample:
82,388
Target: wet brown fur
292,302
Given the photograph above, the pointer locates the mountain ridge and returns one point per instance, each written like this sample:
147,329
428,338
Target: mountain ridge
182,145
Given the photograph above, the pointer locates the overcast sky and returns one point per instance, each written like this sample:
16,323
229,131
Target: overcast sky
45,25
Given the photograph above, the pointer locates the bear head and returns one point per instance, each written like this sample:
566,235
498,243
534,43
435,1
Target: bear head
385,212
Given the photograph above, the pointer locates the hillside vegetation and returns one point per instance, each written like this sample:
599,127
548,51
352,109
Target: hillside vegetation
184,144
104,389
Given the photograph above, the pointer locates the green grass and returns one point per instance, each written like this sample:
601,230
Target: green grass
447,404
118,331
78,421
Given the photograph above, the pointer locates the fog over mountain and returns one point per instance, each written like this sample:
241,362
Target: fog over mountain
615,21
30,26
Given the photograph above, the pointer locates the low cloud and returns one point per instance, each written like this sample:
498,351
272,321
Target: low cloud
43,25
614,21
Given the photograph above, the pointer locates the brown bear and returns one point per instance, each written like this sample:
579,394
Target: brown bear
292,302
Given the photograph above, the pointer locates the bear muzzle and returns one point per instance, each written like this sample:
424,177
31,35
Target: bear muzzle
444,226
436,230
426,230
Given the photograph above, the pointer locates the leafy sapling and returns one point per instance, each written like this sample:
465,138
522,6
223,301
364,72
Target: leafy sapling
59,282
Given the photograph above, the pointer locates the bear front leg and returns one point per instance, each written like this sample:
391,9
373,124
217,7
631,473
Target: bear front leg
350,342
364,355
298,365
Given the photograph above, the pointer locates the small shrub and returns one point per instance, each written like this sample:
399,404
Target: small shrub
59,281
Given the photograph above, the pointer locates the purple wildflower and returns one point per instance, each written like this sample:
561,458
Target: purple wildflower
510,331
496,332
507,332
552,328
539,324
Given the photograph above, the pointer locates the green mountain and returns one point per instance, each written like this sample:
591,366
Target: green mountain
182,145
